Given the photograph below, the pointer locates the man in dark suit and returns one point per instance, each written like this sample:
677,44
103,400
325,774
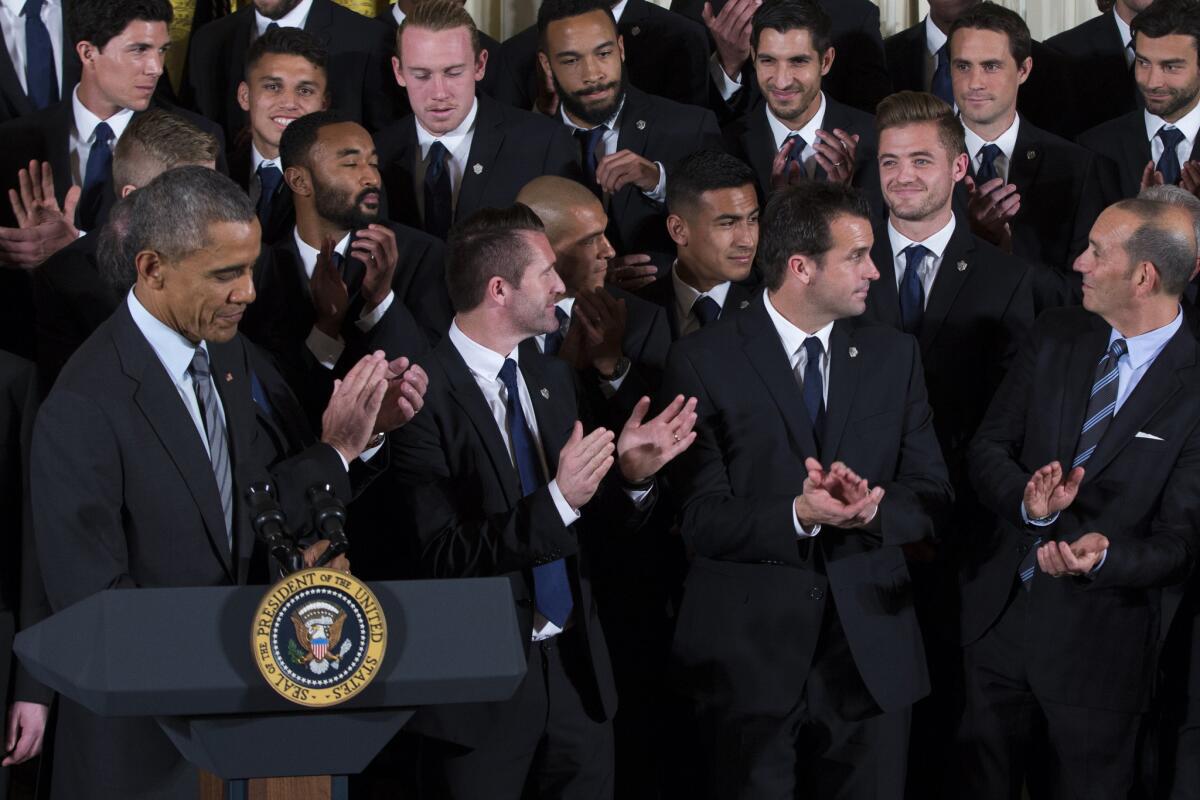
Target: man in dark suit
358,49
285,79
1098,53
38,65
666,55
1160,143
797,637
500,479
1028,192
141,452
918,58
1088,459
798,133
459,150
627,139
714,225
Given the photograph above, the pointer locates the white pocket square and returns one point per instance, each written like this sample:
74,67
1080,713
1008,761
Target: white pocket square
1150,436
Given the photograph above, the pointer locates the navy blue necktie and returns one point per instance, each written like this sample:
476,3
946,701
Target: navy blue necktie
1168,163
552,591
941,85
554,339
912,289
814,386
270,178
987,164
795,155
438,199
41,80
706,310
97,177
589,145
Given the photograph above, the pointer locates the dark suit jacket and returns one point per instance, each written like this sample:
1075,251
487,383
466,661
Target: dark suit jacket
491,78
1097,84
1139,492
753,601
1124,152
469,518
124,496
662,294
13,100
283,209
359,66
665,54
906,53
510,147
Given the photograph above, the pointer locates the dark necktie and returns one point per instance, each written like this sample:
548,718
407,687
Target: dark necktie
552,591
912,289
269,180
1101,408
589,145
941,85
41,79
554,339
97,177
438,198
814,387
706,310
795,155
214,428
987,164
1168,163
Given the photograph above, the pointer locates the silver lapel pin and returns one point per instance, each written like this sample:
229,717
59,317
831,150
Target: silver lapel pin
477,169
545,394
636,31
641,124
744,304
1030,155
854,352
229,377
962,266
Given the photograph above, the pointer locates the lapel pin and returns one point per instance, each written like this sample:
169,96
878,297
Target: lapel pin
962,266
477,169
744,304
854,352
545,394
636,31
229,377
641,124
1030,155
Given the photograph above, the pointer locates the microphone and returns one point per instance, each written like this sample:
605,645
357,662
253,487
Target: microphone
270,526
329,521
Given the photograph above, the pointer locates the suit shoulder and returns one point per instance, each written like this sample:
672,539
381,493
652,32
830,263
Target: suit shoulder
1064,148
218,30
520,119
520,42
1082,39
409,237
664,108
1065,323
673,20
91,369
1104,136
635,304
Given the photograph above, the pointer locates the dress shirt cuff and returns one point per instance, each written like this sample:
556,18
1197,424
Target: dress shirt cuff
1103,557
370,452
659,193
1038,523
801,531
565,511
370,319
726,85
324,348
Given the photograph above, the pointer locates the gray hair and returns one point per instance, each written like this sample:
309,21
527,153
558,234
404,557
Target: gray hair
172,214
1176,196
1172,251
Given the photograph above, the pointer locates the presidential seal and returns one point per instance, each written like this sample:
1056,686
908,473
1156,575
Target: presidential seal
319,636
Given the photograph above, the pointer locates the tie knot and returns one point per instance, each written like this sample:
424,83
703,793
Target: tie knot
812,346
437,153
103,134
706,309
274,26
915,254
591,135
508,376
199,365
1118,348
989,152
33,8
1171,137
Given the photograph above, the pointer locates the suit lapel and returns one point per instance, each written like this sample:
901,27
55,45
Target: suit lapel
883,297
401,177
554,425
481,161
632,136
737,300
759,145
10,83
760,341
1080,369
952,275
1026,159
1135,147
843,383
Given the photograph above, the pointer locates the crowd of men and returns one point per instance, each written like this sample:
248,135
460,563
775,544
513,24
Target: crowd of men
831,403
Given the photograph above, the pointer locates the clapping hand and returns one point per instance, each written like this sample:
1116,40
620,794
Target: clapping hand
1079,557
991,208
329,295
837,497
405,396
1049,491
645,447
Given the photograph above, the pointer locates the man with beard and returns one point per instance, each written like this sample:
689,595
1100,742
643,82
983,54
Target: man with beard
459,151
627,139
797,132
1160,143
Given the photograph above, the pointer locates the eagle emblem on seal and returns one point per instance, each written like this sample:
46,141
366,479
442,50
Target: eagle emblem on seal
319,630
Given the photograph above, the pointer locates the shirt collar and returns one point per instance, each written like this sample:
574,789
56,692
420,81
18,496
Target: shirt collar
1189,124
619,9
1123,27
172,348
309,254
808,132
1147,346
610,123
257,158
1007,141
791,336
936,243
293,19
86,121
397,14
484,363
934,38
686,294
15,7
452,140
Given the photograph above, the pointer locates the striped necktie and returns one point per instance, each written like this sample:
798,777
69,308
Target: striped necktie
214,428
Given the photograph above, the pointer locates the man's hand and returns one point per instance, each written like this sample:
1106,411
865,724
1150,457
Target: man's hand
1048,492
376,247
730,30
329,294
1075,558
835,499
43,227
582,464
631,272
646,447
835,154
24,732
616,171
405,396
845,485
1189,177
784,174
315,550
1151,176
602,318
547,96
992,207
349,419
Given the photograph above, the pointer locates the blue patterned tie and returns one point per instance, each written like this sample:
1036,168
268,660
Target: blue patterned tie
439,200
706,310
41,79
97,177
941,85
554,339
987,164
551,589
1168,163
589,145
795,155
912,289
814,387
269,180
214,428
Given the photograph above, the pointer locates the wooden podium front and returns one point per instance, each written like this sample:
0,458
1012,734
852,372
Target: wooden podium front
318,788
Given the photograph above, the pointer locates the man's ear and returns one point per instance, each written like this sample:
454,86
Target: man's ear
243,96
677,229
298,180
150,268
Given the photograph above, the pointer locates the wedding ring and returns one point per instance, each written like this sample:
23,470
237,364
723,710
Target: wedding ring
676,436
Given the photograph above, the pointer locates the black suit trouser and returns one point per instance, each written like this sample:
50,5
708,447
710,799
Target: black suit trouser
1180,768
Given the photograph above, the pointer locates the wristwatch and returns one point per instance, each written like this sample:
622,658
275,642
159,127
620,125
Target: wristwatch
376,440
618,372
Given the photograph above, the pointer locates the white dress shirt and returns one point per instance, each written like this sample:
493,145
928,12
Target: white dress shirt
397,14
934,39
808,133
1126,37
567,304
458,143
686,297
1189,125
928,269
296,18
324,348
1007,142
608,146
83,134
12,26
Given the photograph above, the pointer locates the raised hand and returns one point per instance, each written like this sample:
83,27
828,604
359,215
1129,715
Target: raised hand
603,319
1151,176
730,30
405,396
376,247
329,294
349,419
631,272
1072,558
645,447
835,154
1049,492
784,174
616,171
582,464
44,228
991,208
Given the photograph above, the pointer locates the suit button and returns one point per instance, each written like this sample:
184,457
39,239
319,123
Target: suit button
816,593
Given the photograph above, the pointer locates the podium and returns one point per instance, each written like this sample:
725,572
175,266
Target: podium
183,656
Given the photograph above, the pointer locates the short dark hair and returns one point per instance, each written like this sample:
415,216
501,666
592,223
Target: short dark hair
299,137
990,16
98,21
1167,17
1173,255
791,15
491,242
797,221
554,10
287,42
172,214
704,171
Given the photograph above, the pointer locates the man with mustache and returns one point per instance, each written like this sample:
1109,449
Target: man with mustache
1158,144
